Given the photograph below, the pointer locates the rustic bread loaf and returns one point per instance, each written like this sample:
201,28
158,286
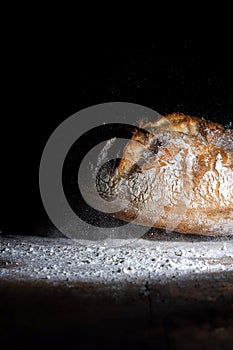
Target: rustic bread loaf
177,174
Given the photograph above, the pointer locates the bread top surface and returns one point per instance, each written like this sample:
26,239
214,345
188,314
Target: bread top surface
205,136
199,129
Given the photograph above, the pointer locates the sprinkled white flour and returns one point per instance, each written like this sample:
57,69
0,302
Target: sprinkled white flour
36,258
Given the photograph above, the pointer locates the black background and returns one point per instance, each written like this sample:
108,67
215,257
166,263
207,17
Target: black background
46,82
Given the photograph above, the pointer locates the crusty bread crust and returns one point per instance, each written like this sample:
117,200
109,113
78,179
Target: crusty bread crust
179,176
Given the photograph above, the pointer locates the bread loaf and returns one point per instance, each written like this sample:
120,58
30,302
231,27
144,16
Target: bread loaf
177,174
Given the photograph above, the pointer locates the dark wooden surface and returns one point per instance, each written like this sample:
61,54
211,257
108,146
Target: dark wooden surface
87,316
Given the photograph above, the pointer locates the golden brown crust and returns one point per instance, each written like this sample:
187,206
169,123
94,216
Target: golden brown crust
187,166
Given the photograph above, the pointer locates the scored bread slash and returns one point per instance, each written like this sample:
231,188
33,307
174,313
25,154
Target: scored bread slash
177,174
